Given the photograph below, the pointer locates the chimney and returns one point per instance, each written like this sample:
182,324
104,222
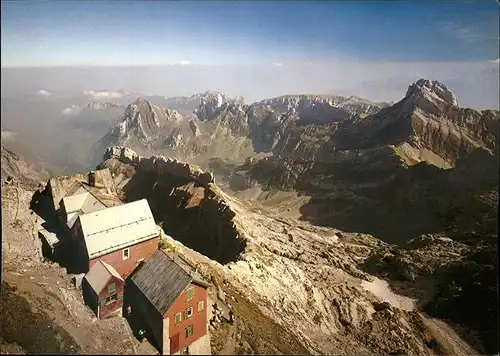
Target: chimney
92,179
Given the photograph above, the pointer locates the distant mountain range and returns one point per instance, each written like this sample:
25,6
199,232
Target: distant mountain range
427,119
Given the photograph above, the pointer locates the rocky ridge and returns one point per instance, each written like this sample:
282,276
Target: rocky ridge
160,165
181,196
320,109
224,127
426,125
187,105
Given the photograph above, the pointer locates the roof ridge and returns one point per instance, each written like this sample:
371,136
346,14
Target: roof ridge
187,267
108,266
90,192
116,227
108,208
173,258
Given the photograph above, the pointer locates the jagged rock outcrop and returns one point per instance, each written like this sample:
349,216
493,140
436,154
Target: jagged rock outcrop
428,118
160,165
183,198
187,105
315,109
144,121
209,105
194,128
228,128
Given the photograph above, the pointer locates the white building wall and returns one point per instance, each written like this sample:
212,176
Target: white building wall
165,348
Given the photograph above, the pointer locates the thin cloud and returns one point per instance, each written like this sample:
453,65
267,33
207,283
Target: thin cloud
496,61
8,135
42,92
103,94
184,63
279,64
467,33
72,111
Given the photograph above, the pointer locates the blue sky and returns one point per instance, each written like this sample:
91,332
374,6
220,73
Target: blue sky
67,33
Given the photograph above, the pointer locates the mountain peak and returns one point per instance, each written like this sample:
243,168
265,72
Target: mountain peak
432,90
144,119
142,101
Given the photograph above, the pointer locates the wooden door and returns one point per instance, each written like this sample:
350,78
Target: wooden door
174,343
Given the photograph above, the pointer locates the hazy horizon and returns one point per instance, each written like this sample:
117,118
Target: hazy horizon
475,83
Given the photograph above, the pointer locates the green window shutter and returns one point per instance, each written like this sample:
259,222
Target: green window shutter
120,296
111,288
178,318
189,293
185,314
103,302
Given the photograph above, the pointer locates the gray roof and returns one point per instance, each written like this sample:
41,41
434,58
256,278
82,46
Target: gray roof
83,203
161,280
186,266
100,274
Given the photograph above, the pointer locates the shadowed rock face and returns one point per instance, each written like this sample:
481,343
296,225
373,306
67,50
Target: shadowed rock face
183,199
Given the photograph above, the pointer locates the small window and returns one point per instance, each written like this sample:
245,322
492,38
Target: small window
189,331
178,318
126,254
189,312
111,288
111,299
189,294
200,306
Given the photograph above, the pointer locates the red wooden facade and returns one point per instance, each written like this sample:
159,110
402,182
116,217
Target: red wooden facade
110,301
136,253
179,339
